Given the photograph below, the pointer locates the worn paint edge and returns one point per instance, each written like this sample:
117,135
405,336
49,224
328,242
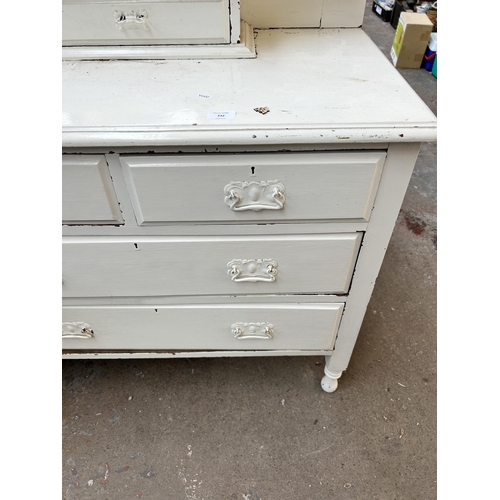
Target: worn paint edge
190,354
123,136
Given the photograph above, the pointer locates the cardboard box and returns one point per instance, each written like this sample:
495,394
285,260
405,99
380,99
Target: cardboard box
382,9
410,40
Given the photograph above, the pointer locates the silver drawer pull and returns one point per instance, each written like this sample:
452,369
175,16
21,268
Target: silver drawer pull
252,270
77,330
131,20
263,331
263,195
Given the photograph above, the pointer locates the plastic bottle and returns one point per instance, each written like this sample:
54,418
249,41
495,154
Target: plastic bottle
430,53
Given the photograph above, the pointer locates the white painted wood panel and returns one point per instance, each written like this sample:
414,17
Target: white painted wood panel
322,87
303,13
397,174
282,13
143,22
88,195
242,46
105,266
294,326
342,13
191,188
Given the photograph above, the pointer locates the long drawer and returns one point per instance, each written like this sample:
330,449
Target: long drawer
95,22
239,265
221,326
253,187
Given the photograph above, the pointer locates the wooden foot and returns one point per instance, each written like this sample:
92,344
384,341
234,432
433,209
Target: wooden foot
329,382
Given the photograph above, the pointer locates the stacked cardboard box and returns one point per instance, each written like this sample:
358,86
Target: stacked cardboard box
410,41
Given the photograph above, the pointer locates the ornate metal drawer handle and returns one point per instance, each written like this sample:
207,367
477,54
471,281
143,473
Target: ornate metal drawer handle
131,20
252,270
263,331
263,195
77,330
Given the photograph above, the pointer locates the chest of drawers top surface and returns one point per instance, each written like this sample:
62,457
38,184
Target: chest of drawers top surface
320,86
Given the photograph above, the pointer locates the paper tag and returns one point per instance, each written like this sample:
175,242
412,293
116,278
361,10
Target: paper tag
221,115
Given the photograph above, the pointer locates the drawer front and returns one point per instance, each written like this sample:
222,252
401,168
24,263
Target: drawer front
159,266
101,22
277,187
221,326
88,195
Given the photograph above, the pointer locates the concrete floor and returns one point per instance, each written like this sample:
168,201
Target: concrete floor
262,428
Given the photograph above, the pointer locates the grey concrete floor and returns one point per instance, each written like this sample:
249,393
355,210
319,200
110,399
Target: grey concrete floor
262,428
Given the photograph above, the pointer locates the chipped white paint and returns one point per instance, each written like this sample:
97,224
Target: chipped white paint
77,330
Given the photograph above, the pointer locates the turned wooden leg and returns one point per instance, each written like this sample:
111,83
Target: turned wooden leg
329,382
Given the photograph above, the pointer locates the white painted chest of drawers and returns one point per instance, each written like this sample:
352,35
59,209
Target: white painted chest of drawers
194,224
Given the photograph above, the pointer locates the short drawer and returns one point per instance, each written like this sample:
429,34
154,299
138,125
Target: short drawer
253,187
221,326
162,266
103,22
88,195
